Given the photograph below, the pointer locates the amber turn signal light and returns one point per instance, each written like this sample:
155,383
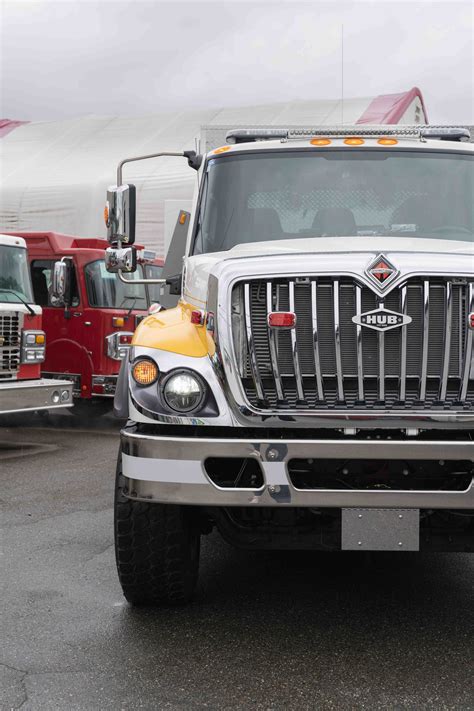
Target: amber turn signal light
145,372
354,141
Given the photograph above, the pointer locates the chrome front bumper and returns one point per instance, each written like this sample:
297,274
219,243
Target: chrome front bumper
171,470
27,395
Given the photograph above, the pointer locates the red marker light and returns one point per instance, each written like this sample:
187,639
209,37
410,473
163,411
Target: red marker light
282,319
471,320
125,339
197,317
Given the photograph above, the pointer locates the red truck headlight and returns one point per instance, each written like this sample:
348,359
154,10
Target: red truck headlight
33,346
118,344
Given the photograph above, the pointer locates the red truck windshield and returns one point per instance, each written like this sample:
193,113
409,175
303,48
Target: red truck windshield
283,195
107,291
15,285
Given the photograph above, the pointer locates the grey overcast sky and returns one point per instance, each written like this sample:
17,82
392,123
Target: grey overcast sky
68,58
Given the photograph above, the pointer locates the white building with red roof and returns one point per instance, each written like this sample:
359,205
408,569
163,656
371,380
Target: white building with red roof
55,174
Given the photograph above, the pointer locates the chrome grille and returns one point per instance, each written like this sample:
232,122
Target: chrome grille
328,362
9,344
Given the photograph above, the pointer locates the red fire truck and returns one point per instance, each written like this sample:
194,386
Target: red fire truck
89,325
22,340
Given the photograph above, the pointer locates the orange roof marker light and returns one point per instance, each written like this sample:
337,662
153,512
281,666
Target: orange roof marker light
353,141
182,218
387,141
222,149
320,141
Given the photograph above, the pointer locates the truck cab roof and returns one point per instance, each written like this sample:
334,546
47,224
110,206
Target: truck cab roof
12,241
339,142
327,137
56,243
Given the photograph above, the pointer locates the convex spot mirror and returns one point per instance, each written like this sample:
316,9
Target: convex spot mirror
119,214
59,286
124,259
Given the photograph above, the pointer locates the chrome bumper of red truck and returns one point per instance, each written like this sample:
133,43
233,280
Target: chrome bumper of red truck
28,395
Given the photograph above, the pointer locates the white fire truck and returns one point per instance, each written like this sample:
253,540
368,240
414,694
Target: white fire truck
314,386
22,342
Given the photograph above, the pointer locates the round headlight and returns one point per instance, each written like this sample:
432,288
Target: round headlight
183,391
145,372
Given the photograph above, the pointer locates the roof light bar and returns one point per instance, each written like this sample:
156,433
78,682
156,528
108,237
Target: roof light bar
247,135
445,133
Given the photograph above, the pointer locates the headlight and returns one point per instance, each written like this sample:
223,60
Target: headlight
145,371
33,347
183,391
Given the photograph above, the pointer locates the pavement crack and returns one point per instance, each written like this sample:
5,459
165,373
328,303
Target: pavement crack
21,681
15,669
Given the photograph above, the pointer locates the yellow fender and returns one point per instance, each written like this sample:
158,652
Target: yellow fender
173,331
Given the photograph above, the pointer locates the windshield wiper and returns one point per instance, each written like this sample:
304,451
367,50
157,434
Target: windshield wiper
15,293
127,298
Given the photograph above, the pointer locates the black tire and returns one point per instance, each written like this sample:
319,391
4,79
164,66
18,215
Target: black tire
156,549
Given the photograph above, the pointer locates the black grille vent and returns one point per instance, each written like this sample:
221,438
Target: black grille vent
9,344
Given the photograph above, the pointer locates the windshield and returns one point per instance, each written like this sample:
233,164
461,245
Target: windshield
106,291
293,194
15,285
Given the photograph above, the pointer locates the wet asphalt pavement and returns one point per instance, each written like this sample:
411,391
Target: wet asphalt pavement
279,630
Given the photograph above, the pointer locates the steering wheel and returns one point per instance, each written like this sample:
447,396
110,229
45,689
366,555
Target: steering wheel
451,228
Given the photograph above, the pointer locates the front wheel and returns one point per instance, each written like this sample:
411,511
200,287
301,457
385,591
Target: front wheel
156,549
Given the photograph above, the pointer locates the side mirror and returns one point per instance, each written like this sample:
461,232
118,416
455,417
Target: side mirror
60,283
120,214
175,284
123,259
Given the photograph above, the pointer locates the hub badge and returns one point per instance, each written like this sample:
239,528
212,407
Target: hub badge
382,319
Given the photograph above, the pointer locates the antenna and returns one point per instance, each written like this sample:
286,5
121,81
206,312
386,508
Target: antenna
342,74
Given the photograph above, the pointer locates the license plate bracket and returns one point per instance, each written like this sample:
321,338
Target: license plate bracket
380,529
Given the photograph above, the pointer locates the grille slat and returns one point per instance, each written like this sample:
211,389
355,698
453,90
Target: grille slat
360,361
314,322
337,342
426,333
294,347
403,345
468,350
328,362
448,310
272,336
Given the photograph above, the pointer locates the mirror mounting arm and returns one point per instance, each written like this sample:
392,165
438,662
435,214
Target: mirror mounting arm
139,281
137,158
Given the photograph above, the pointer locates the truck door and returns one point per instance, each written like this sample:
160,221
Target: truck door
64,325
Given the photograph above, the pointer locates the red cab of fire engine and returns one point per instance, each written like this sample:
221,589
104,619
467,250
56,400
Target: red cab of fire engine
90,323
22,339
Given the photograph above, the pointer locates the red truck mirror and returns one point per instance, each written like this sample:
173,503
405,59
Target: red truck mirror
60,285
119,214
124,259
